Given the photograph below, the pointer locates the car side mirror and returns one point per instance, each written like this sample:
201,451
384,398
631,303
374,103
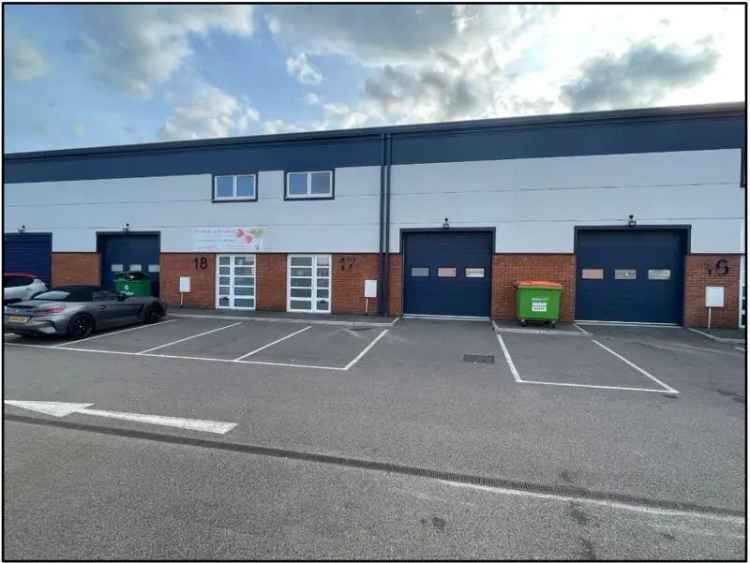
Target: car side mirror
121,297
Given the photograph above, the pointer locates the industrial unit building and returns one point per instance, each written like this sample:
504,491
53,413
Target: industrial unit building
634,212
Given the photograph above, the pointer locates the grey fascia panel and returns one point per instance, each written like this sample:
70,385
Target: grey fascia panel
704,127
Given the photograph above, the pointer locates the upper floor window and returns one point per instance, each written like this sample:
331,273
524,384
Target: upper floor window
309,185
238,187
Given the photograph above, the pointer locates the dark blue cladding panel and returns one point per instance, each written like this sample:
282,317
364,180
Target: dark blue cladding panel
28,253
636,296
572,135
199,160
572,140
428,293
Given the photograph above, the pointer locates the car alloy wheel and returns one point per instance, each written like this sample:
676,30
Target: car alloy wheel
81,326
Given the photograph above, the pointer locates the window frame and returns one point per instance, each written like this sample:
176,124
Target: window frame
309,195
217,199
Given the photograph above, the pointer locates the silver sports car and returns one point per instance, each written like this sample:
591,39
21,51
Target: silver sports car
79,310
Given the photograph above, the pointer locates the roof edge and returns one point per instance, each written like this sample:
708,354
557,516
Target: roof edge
663,112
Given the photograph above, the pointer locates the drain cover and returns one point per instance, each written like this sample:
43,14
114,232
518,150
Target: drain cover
479,358
360,328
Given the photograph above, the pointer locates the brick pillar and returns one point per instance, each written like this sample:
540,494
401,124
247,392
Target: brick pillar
270,282
702,270
508,268
395,285
76,268
348,282
202,281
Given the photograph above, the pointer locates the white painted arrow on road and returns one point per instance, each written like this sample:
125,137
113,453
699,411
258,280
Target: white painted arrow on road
64,409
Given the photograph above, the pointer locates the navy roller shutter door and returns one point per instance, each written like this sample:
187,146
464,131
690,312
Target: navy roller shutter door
426,292
29,253
633,265
128,252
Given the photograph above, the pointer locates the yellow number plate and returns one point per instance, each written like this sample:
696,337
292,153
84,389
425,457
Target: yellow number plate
17,319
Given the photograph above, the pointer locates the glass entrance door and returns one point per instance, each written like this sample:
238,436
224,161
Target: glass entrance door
235,281
309,283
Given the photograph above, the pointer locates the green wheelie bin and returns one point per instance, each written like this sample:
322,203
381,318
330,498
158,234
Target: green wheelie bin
133,284
538,301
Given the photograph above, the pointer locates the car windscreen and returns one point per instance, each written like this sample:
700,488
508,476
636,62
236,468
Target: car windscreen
65,295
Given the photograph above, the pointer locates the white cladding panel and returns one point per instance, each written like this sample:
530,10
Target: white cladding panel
534,204
74,211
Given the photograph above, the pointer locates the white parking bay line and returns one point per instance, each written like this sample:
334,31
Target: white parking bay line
518,378
187,338
583,330
509,360
175,357
113,333
272,343
367,349
635,367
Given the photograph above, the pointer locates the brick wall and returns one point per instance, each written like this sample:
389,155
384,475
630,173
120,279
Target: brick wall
508,268
348,281
270,282
72,268
202,281
395,285
701,270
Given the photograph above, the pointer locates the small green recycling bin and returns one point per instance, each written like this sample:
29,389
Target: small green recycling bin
538,301
133,283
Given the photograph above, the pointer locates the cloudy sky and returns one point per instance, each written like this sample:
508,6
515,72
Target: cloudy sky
99,75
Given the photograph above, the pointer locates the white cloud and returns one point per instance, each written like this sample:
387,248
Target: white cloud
395,33
210,112
273,126
23,60
312,99
135,47
451,62
638,77
303,70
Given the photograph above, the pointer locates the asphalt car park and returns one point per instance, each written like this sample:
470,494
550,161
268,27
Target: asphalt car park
650,418
316,346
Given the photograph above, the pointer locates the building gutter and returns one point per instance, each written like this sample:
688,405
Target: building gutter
381,259
387,220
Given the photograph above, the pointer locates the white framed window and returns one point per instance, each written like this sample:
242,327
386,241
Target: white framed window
309,185
235,281
236,187
309,283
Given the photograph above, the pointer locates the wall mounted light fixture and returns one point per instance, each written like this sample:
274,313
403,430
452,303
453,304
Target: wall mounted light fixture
22,229
446,225
126,228
631,221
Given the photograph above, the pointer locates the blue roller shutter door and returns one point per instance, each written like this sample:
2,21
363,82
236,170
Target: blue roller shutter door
630,275
448,273
130,252
29,253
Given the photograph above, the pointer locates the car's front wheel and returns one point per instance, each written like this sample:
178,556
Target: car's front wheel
80,326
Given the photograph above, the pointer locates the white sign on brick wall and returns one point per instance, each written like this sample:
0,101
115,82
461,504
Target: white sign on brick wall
227,239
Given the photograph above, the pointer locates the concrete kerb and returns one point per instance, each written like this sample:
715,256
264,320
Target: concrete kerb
328,322
717,338
552,332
